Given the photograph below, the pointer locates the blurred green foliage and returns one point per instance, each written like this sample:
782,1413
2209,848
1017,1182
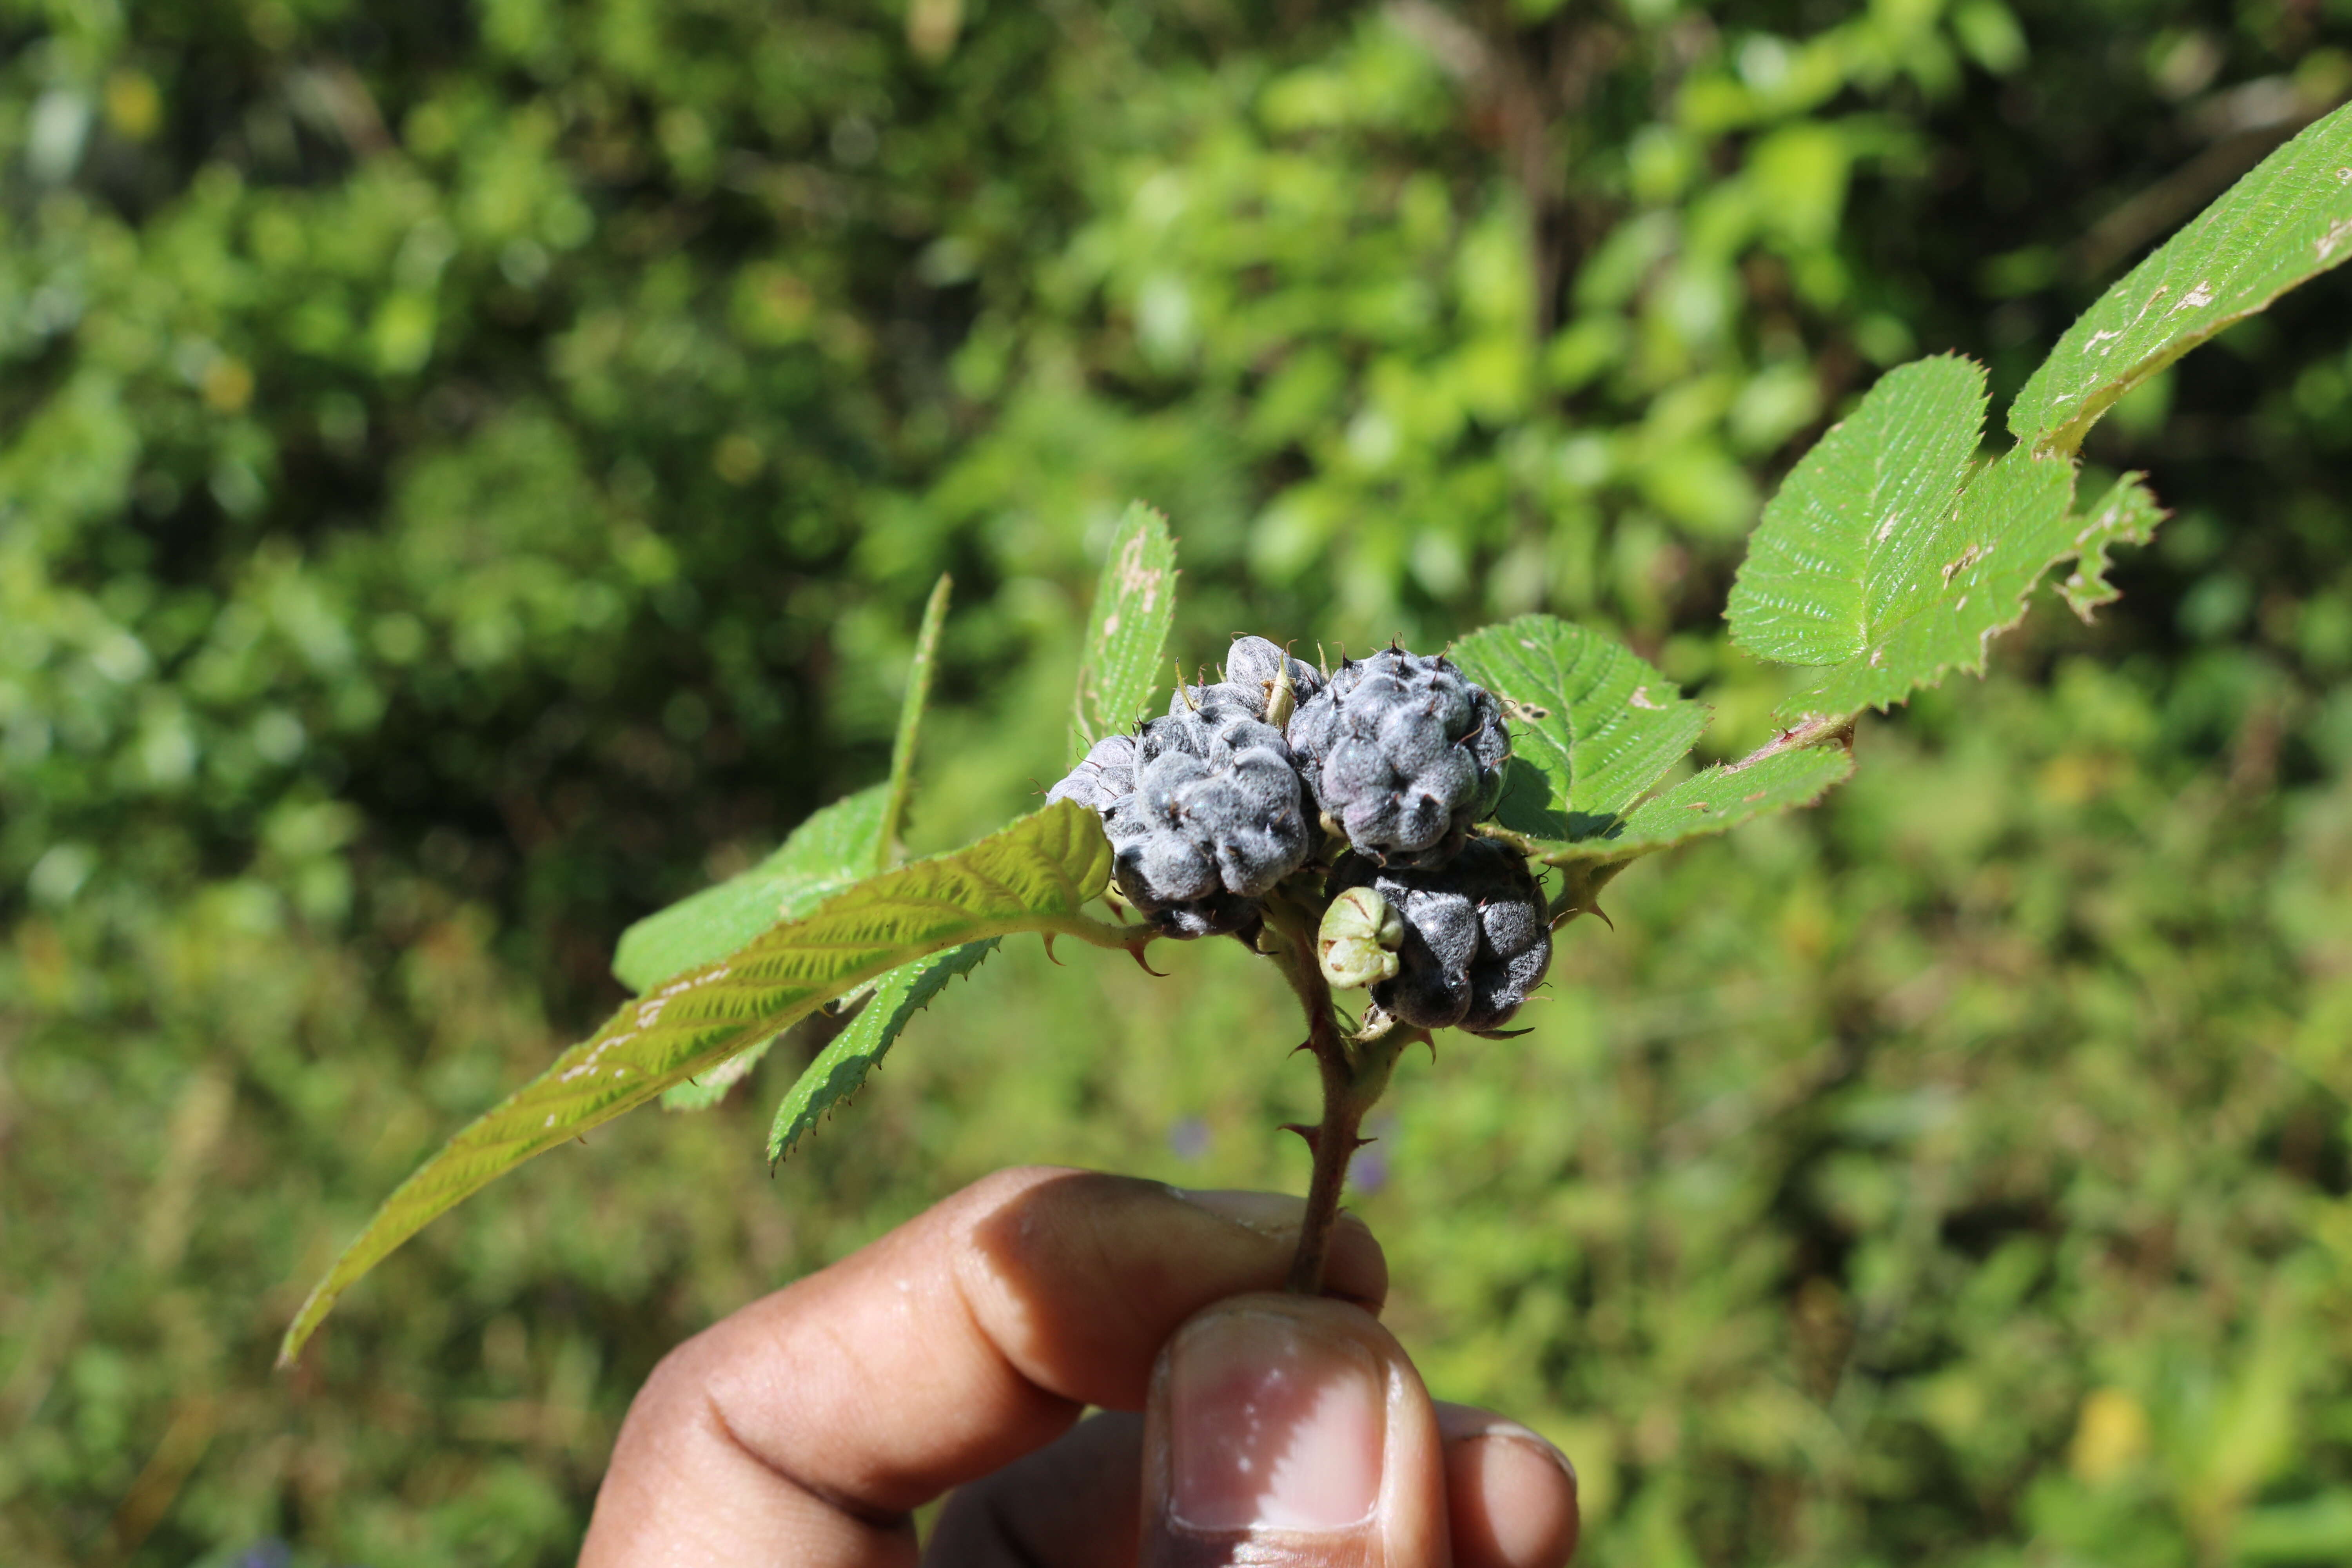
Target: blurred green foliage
469,474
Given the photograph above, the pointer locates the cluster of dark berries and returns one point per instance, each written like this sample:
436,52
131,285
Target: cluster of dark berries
1375,774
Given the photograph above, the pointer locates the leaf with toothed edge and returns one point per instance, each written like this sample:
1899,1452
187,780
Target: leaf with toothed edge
1965,584
2288,220
2126,514
1886,561
726,916
841,1067
1854,527
1036,874
1709,801
1722,797
828,852
1593,719
1135,604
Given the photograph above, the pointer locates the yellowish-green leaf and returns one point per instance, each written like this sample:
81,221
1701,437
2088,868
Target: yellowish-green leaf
1592,726
843,1065
1135,604
850,839
1035,875
2287,221
830,852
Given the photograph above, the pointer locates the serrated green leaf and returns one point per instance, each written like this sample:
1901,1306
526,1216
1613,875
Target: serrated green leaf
832,849
1877,563
1035,875
1963,583
1596,720
843,1065
1723,797
2287,221
1856,524
910,725
1135,604
829,851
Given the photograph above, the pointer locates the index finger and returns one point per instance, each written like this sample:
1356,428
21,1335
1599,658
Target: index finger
804,1428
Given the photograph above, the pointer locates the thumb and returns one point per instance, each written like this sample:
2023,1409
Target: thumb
1290,1429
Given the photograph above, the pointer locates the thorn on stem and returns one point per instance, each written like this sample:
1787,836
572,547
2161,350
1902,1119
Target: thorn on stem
1136,952
1312,1134
1049,938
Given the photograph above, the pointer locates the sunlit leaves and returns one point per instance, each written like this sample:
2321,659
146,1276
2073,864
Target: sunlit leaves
2126,514
843,1065
1723,797
1599,722
849,839
1593,726
1854,525
1962,582
828,852
1035,875
1135,604
1878,564
2286,222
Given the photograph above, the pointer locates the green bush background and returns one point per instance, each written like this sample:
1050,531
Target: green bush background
468,472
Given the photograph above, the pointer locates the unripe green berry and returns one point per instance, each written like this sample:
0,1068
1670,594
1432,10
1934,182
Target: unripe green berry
1357,945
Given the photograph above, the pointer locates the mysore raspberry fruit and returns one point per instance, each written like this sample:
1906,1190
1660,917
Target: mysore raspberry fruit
1255,666
1252,687
1202,808
1476,936
1403,754
1103,775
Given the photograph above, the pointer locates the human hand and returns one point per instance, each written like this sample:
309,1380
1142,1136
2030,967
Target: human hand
958,1352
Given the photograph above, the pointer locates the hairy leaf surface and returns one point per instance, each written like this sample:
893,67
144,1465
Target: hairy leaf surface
1962,584
1035,875
1885,580
829,851
1135,604
1857,522
1594,718
843,1065
2287,221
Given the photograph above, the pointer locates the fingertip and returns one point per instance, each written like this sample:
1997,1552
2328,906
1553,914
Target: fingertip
1072,1504
1511,1495
1356,1269
1078,1278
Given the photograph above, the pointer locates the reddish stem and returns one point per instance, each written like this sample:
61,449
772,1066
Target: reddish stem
1352,1078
